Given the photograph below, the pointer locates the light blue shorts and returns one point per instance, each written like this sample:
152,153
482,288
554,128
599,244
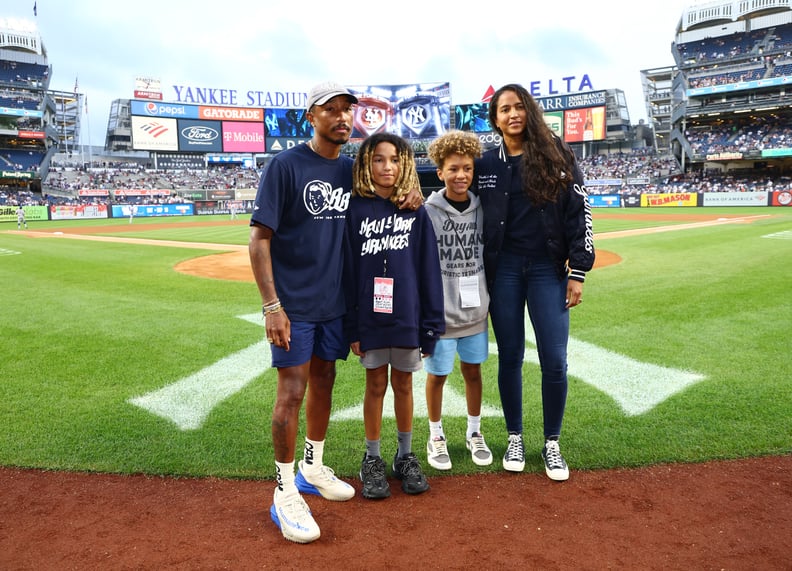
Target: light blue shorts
325,339
404,359
473,349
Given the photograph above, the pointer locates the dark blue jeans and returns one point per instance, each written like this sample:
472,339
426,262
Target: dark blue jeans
518,283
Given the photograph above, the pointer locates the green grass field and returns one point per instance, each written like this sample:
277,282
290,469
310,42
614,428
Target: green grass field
114,362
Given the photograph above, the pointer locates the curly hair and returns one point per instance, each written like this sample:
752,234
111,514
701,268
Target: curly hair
462,143
547,166
362,185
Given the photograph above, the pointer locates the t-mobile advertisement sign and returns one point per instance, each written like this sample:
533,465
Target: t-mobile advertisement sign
243,137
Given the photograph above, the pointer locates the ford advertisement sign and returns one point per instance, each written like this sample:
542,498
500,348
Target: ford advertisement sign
200,136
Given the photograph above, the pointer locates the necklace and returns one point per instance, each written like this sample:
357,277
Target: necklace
311,146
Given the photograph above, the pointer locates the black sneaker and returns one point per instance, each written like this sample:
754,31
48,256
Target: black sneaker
372,474
555,465
408,470
514,458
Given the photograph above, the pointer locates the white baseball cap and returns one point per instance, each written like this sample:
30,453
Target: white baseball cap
324,92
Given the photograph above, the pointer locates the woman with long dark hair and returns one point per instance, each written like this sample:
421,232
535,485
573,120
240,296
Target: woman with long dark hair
538,247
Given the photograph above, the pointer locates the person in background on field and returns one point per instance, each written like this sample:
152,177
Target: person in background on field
458,221
296,253
132,212
395,300
538,247
233,208
21,217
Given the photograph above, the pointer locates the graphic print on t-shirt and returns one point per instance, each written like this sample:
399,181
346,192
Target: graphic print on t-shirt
320,196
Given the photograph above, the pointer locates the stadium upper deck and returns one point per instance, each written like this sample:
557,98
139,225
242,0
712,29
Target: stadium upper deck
730,106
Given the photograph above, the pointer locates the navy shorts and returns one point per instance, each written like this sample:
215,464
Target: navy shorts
325,339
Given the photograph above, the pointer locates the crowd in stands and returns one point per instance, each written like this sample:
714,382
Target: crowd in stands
13,197
636,172
756,133
737,57
138,177
20,160
637,164
19,98
23,74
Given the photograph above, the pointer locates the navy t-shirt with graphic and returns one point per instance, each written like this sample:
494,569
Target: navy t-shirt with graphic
303,198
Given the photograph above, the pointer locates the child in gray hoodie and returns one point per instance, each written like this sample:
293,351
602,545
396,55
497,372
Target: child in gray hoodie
458,222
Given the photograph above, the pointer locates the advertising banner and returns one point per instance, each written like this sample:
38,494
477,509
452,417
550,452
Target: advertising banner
77,211
232,114
605,200
200,136
243,137
555,120
245,194
278,144
160,109
781,198
670,199
573,100
735,199
9,213
149,210
93,192
148,88
154,134
586,124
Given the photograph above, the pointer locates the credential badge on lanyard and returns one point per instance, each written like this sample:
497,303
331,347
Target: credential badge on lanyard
383,295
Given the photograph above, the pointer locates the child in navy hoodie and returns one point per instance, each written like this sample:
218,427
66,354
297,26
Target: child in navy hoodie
394,300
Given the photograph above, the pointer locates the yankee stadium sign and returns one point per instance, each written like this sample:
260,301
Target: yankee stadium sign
251,98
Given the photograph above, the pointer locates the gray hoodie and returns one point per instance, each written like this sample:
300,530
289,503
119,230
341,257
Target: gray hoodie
460,244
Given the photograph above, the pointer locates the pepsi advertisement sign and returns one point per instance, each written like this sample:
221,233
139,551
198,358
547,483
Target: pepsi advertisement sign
160,109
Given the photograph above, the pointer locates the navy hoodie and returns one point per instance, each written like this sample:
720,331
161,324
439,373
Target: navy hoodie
383,241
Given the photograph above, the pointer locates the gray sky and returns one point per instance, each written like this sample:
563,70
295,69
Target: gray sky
287,46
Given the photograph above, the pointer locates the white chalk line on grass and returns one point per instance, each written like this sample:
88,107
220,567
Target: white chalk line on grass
783,235
635,386
673,227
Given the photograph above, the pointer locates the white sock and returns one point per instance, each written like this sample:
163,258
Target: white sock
473,425
284,476
312,455
436,429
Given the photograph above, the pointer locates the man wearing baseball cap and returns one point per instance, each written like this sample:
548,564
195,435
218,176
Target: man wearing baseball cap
296,233
324,92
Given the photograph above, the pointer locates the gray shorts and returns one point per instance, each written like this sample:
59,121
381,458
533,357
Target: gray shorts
403,359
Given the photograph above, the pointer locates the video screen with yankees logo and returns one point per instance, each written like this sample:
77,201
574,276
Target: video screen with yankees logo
412,111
